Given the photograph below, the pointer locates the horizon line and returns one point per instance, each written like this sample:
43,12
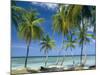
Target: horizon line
50,56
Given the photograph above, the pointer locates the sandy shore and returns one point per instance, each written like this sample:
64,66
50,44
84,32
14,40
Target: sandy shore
50,69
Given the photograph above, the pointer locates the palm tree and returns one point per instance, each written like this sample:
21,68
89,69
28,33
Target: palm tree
29,29
62,23
59,24
71,16
70,43
66,18
80,15
47,44
83,40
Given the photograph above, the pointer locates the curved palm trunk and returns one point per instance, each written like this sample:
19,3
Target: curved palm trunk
72,56
81,57
85,56
27,55
58,58
63,59
46,59
58,53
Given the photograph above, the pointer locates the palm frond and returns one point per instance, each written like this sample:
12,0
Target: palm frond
47,43
38,21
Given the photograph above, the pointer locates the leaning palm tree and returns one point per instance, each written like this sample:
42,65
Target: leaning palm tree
29,29
80,15
47,44
70,44
83,40
66,18
60,24
71,16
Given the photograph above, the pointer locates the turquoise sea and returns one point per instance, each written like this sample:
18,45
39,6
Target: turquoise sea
37,61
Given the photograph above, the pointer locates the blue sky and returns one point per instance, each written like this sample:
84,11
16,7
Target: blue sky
46,11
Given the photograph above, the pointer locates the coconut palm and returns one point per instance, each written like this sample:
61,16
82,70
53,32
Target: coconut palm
83,40
66,18
29,29
47,44
60,25
71,16
70,44
81,14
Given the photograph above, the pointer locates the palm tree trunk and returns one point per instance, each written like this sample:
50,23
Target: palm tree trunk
58,59
85,55
27,55
63,59
46,60
58,52
82,38
81,55
72,57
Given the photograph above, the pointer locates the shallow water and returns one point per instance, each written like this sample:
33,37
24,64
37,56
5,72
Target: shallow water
36,62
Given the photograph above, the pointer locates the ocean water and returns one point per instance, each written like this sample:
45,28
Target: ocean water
36,62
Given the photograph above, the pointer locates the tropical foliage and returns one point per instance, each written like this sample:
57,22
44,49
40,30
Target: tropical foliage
29,29
46,45
70,21
74,16
70,44
27,24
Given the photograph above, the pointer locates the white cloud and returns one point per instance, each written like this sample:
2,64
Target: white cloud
46,5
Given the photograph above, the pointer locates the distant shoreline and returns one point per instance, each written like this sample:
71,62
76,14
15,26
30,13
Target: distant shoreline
48,56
